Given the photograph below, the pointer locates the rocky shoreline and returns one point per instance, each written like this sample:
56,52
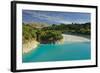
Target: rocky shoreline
31,45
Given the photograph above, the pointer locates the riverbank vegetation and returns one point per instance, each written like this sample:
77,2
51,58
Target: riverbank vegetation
51,33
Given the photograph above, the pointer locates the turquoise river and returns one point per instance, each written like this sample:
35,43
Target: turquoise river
59,52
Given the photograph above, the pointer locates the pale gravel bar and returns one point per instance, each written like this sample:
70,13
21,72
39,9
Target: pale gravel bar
74,38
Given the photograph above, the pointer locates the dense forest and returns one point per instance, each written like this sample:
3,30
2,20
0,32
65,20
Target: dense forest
52,33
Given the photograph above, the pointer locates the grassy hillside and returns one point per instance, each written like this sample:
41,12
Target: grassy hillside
37,25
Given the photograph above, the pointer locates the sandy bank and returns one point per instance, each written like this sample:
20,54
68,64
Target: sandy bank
27,47
74,38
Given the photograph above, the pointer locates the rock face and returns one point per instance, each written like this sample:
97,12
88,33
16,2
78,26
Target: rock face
31,45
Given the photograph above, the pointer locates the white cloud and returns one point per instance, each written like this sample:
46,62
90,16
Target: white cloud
64,21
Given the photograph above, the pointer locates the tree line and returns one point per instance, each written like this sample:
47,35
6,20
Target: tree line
72,28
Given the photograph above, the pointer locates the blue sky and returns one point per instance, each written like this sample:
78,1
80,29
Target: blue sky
53,17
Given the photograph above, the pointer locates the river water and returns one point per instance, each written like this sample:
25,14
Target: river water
59,52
